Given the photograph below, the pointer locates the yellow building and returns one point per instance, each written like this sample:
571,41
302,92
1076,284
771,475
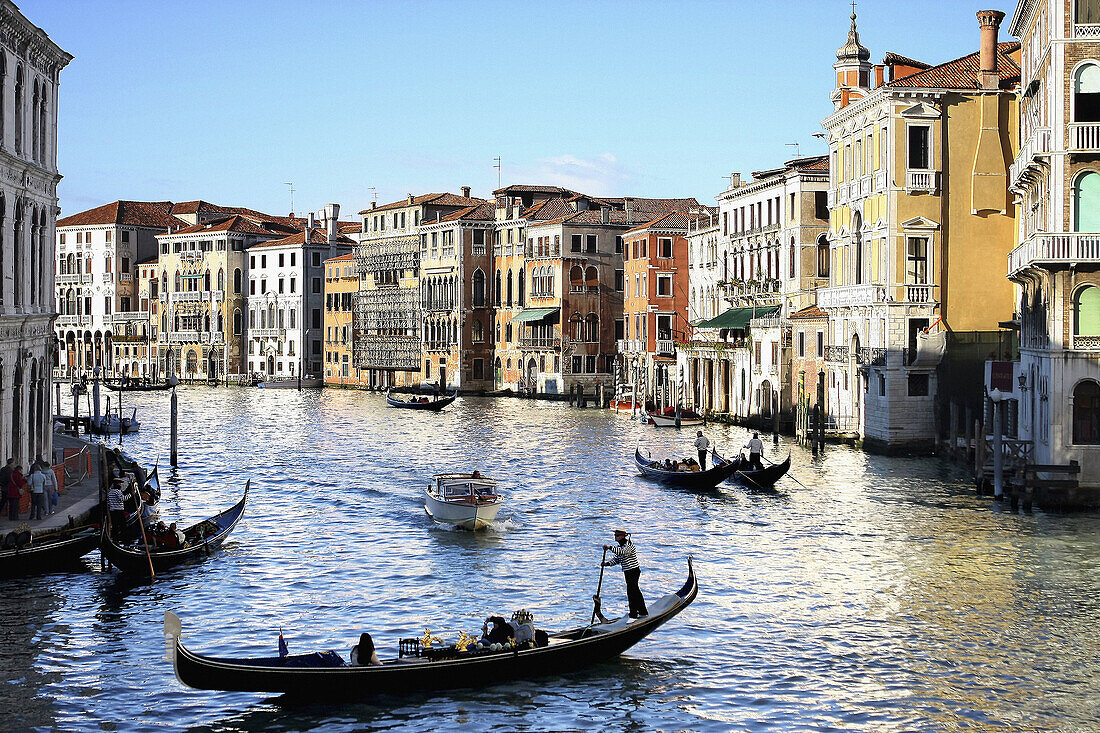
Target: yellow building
921,222
341,285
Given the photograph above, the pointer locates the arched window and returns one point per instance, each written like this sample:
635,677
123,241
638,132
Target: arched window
822,256
522,288
34,121
549,280
576,327
477,331
238,322
592,279
17,254
177,283
576,279
19,108
794,259
206,280
479,288
1086,312
237,281
496,296
1086,413
1086,202
1086,93
592,328
221,279
509,287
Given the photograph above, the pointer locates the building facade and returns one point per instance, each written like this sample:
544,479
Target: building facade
1056,264
341,285
906,257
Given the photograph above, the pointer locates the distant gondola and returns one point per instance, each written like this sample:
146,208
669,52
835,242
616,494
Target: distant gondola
311,675
697,480
763,478
138,386
437,403
22,555
202,539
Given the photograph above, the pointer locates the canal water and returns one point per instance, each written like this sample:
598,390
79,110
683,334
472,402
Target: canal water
882,595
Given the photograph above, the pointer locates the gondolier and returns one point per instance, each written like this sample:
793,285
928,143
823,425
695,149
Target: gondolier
626,556
756,449
702,445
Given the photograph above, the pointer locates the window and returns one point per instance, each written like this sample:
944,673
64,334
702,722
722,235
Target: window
478,369
263,260
802,343
916,260
1086,202
1086,413
664,286
918,385
479,288
316,318
1086,93
1086,312
918,151
478,332
664,247
292,285
1087,12
280,285
251,287
618,245
281,258
316,285
620,280
822,256
590,243
820,344
62,237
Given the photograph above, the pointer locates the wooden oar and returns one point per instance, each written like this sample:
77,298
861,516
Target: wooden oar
786,475
144,541
596,603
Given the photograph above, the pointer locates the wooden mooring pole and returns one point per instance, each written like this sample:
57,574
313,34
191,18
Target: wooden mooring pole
174,428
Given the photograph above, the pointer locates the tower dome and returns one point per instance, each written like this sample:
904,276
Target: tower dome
853,50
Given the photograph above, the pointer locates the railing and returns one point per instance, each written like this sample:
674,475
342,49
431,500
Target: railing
194,296
1047,248
865,185
836,353
766,322
1036,145
478,250
74,278
850,295
183,337
192,255
920,181
1084,137
1086,30
69,320
125,277
830,198
871,356
666,347
918,294
267,333
540,342
1086,343
841,194
880,180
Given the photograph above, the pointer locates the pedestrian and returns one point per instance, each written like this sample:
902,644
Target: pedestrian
5,479
17,486
52,496
116,507
756,449
38,494
626,556
702,445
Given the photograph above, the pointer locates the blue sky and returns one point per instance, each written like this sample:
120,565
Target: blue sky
227,101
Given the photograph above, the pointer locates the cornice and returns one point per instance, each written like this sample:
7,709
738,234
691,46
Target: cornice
30,42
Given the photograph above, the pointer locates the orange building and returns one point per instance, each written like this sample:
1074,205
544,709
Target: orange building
341,285
654,281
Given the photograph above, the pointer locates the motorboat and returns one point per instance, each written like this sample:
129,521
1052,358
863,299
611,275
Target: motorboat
667,418
467,500
113,424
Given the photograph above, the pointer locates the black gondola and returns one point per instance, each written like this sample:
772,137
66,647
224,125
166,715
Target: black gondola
138,386
45,554
202,540
139,505
761,478
698,480
326,674
432,404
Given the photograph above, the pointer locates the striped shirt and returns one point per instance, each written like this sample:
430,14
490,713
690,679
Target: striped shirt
114,499
625,555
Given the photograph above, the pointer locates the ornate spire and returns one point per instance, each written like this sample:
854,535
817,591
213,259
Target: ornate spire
853,50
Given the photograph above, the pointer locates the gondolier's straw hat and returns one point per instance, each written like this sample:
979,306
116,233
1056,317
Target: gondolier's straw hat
622,532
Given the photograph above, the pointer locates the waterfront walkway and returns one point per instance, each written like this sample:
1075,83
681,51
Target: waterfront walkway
77,499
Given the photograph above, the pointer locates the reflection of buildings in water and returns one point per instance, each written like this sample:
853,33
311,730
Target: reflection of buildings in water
28,606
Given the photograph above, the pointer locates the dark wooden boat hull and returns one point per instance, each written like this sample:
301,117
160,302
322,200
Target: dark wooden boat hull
433,405
129,560
697,480
764,478
52,553
137,387
576,649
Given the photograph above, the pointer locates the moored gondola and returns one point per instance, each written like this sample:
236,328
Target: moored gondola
762,478
138,386
698,480
24,555
202,540
327,675
437,403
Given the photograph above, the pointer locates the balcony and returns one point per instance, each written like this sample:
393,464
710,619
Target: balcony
921,181
880,181
195,296
540,342
1084,137
267,333
627,346
69,320
865,184
1086,30
1044,249
919,294
846,296
74,278
871,356
192,255
1035,146
125,277
842,194
836,353
1086,343
127,317
184,337
666,347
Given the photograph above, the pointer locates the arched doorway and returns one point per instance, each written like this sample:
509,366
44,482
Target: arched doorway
532,374
498,376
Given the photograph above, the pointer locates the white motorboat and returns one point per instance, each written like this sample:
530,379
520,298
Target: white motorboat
112,424
467,500
668,418
291,383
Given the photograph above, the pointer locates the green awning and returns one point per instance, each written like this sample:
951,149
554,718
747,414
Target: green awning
533,314
738,318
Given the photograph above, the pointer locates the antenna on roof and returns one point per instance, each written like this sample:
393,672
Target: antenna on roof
795,145
497,166
374,192
291,198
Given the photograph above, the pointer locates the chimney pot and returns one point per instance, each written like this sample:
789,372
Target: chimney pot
879,69
605,214
466,192
989,21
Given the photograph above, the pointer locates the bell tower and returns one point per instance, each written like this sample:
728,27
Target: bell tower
853,69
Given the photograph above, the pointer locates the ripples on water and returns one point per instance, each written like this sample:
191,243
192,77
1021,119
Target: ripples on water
882,597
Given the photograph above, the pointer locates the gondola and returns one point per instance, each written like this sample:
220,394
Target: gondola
22,555
137,386
667,418
327,674
437,403
202,540
763,478
698,480
140,505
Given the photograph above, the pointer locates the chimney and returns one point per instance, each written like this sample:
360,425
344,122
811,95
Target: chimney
628,204
989,21
374,204
332,217
605,214
466,192
311,221
735,180
879,69
410,199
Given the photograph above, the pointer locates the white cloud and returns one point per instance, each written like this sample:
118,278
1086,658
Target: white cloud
602,175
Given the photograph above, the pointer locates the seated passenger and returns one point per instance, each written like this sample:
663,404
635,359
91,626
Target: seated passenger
524,624
181,539
669,465
499,634
363,653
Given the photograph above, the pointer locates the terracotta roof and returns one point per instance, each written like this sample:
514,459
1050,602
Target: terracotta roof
962,73
809,313
342,258
316,236
896,59
527,188
435,199
655,206
205,207
155,214
480,212
554,208
673,220
234,223
347,227
816,163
